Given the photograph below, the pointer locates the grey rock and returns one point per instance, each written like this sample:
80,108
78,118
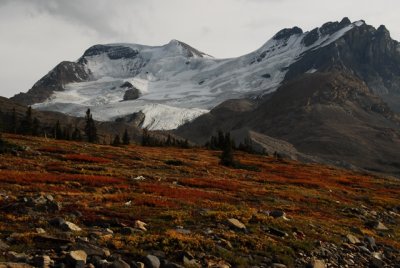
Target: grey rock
278,265
370,242
236,224
277,213
151,261
3,246
183,231
76,258
43,261
132,93
140,264
277,232
317,264
377,225
352,239
69,226
13,256
119,264
14,265
57,222
128,231
364,249
91,250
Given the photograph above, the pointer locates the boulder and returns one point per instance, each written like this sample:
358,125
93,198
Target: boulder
236,224
277,232
140,225
16,257
127,231
3,246
131,94
76,258
377,225
370,241
43,261
352,239
69,226
277,213
14,265
119,264
91,250
317,264
151,261
278,265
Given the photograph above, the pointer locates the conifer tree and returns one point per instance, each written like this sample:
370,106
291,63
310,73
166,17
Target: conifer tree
35,127
227,158
117,141
90,128
58,134
66,133
76,134
126,140
1,121
27,123
145,137
14,122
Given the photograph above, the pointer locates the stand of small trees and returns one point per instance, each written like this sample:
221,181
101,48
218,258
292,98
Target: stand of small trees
154,141
90,128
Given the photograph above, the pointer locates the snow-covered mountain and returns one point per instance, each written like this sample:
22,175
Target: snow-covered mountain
173,83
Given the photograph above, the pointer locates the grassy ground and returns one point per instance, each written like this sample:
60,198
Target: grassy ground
188,188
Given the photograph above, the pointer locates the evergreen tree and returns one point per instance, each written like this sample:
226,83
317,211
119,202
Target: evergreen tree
35,127
58,134
1,121
169,141
220,140
227,158
76,134
126,140
117,141
27,123
90,128
14,122
66,133
145,137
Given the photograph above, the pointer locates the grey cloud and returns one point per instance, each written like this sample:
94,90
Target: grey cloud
101,16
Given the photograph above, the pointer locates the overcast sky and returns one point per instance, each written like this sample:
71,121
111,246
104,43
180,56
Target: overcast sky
35,35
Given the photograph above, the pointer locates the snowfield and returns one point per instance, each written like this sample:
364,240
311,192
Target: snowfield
176,82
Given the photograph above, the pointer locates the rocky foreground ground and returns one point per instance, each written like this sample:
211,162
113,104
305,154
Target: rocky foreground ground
66,204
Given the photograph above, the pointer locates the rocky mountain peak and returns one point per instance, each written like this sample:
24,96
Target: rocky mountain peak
113,52
287,32
188,50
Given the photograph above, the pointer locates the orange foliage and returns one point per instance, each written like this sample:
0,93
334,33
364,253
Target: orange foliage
12,176
183,194
154,201
86,158
52,149
223,184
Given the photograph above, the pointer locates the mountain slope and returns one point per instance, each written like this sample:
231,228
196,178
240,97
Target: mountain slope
106,130
176,82
332,115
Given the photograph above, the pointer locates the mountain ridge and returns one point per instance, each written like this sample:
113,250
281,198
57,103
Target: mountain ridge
177,75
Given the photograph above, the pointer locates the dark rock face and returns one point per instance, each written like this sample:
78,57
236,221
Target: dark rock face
131,93
288,32
364,51
113,52
333,116
63,73
136,119
311,37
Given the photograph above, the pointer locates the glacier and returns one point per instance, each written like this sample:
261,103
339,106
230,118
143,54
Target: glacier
177,83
